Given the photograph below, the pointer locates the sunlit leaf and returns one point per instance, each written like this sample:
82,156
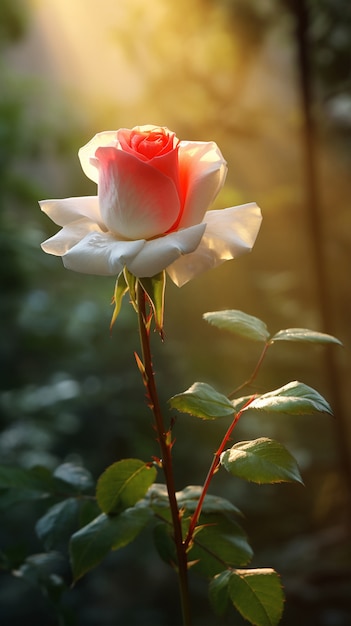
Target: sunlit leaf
219,593
295,398
123,484
261,461
201,400
258,596
304,334
92,543
239,403
239,323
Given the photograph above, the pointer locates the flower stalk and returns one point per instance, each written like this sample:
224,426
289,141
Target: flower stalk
166,443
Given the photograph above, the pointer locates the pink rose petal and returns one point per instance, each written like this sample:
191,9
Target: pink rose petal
136,200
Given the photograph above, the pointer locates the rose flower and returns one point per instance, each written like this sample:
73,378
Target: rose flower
151,212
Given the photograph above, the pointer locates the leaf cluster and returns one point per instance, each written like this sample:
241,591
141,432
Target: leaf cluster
85,522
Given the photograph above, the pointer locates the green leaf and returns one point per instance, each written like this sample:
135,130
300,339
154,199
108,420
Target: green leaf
304,334
20,478
294,398
261,461
46,571
91,544
219,543
201,400
155,290
157,499
239,323
63,519
31,483
258,596
188,498
123,484
76,476
59,521
218,592
121,288
164,543
239,403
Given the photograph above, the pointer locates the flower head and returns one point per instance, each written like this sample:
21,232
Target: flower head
152,208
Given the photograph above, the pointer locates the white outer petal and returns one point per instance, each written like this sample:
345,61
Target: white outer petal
229,233
68,210
101,254
69,236
87,153
158,253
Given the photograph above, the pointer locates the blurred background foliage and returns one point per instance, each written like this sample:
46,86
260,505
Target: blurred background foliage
222,70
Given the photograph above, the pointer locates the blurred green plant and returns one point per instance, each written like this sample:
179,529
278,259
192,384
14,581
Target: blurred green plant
92,520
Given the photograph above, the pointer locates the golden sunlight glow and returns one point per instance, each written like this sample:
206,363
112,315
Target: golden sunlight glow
81,40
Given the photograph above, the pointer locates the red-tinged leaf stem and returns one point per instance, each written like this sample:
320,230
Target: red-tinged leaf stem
166,443
214,466
254,373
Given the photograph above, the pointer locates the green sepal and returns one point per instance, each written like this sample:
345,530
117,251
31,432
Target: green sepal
239,323
131,281
154,288
121,288
90,545
202,400
261,461
257,595
123,484
304,335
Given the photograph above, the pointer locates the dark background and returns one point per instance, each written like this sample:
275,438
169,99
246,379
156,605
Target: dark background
270,83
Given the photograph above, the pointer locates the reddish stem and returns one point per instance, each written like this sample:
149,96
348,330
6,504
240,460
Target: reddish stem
165,442
214,465
254,373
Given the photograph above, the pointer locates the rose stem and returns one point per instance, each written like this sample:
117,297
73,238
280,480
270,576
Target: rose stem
165,443
254,373
210,474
